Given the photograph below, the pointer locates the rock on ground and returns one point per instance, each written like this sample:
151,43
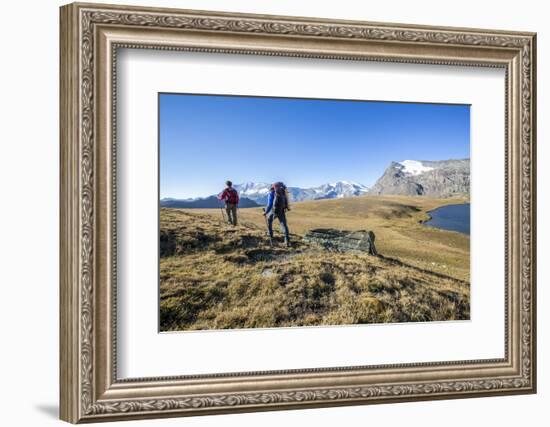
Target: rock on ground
342,241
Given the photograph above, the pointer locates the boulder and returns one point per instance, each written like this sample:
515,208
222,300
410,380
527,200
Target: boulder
342,241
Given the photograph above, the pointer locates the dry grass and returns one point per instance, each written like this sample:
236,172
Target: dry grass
214,276
396,222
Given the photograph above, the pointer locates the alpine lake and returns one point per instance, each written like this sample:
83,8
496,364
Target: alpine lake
451,217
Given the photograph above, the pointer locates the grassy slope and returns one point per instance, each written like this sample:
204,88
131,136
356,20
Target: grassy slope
396,222
217,276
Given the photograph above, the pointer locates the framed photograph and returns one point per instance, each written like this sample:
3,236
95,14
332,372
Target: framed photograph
266,212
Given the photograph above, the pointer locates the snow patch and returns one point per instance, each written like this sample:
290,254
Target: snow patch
414,167
346,184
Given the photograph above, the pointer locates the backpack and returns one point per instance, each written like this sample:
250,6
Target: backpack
232,196
280,203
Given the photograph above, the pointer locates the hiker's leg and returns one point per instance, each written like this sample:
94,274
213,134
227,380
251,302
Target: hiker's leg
228,211
284,226
270,224
234,218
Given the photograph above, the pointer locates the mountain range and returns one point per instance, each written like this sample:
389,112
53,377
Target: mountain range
255,194
203,203
259,191
442,178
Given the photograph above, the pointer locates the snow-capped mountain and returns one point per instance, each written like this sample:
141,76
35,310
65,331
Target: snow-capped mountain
259,191
423,177
340,189
253,190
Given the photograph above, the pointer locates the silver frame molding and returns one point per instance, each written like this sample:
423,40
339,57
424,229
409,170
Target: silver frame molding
90,37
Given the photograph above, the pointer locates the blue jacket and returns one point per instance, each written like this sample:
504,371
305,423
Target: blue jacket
270,199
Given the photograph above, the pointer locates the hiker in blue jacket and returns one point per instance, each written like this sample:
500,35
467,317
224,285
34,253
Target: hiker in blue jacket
277,205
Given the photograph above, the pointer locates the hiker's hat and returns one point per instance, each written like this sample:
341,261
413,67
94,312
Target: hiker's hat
228,183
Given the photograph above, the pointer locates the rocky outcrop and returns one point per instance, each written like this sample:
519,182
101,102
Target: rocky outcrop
342,241
442,178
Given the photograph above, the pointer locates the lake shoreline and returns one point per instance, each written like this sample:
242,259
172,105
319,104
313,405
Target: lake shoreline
431,217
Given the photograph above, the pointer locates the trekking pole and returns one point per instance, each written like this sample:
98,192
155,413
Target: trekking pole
267,226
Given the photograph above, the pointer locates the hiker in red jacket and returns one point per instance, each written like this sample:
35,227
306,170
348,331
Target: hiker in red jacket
231,198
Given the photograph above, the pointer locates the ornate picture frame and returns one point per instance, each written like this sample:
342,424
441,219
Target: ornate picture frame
90,37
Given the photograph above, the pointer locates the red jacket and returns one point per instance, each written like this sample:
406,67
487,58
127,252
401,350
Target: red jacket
230,195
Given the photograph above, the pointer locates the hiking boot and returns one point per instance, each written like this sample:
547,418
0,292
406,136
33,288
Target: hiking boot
287,243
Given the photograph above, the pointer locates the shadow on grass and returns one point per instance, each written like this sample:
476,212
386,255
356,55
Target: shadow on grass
395,261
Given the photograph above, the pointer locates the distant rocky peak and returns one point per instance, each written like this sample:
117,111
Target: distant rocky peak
439,178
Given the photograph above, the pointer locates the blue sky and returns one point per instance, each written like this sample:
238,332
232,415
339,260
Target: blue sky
207,139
